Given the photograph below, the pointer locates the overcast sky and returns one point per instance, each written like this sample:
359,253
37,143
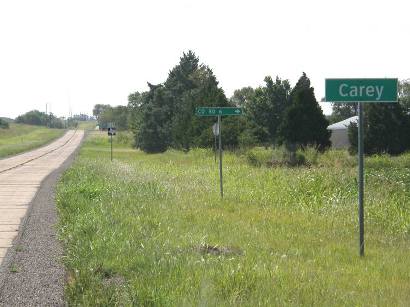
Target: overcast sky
78,53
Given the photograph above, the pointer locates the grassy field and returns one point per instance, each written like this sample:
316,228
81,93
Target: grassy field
151,230
87,125
19,138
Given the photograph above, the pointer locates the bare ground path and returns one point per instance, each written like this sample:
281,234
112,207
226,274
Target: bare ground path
30,270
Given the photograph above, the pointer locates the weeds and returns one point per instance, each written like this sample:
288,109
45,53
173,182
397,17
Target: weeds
14,268
19,138
152,230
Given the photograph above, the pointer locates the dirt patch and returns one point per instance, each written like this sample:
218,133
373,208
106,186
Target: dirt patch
219,250
114,281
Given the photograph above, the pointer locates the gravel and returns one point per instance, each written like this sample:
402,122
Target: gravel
32,274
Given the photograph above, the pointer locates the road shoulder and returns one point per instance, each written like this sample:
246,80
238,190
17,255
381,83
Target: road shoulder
32,273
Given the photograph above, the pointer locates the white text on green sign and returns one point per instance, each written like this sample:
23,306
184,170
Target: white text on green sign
216,111
361,90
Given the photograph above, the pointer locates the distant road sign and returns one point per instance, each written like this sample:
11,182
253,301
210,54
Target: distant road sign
112,131
216,111
361,90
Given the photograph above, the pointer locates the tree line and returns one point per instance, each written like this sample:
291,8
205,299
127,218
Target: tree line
107,115
38,118
274,114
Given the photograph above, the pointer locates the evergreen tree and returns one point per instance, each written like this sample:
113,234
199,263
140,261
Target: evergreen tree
191,85
154,130
342,111
242,97
404,95
179,78
302,84
266,109
304,123
207,93
386,129
135,109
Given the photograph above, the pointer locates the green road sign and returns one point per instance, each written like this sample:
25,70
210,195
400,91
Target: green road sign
216,111
217,129
361,90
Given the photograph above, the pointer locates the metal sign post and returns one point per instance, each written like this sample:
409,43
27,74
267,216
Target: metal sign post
361,91
217,130
111,131
220,157
215,147
111,147
361,179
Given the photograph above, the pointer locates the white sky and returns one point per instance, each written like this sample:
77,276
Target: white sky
81,52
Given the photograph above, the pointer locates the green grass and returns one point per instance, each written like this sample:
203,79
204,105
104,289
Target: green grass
152,230
20,137
87,125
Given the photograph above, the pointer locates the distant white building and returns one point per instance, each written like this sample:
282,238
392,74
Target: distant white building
339,137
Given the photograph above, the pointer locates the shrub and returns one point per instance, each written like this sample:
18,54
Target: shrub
311,155
4,124
336,158
258,156
125,137
277,156
386,129
252,159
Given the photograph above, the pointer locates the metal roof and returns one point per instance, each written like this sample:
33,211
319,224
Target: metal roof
344,124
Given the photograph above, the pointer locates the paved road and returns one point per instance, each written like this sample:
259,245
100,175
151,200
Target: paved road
31,270
20,179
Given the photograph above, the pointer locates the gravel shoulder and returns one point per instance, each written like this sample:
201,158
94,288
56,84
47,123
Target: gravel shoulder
32,273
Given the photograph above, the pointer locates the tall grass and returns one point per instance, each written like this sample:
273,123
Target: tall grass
89,125
20,137
152,230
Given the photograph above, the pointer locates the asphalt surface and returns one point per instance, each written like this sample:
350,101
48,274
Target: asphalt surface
32,273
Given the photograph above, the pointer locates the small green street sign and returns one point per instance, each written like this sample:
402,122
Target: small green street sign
218,111
217,130
361,90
